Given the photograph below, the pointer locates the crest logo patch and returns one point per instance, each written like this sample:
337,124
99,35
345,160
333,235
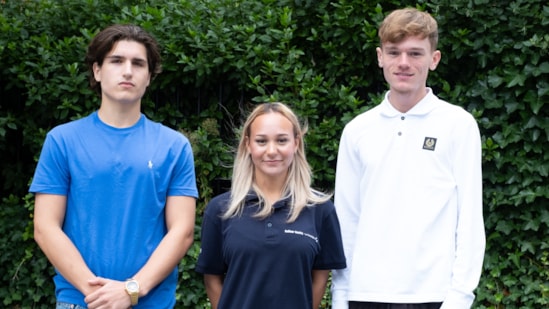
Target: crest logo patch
430,143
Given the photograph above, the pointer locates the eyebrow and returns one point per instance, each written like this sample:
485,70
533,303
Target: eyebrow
278,135
410,49
122,57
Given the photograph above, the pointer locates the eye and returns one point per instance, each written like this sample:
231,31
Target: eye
415,54
139,63
282,140
260,141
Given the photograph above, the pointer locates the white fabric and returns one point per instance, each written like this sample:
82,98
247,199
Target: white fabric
411,218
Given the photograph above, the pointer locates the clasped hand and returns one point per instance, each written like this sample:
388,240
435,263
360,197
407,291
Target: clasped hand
107,294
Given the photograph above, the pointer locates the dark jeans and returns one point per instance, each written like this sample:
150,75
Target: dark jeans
368,305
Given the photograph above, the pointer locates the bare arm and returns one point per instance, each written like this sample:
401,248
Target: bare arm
320,278
214,285
49,213
180,217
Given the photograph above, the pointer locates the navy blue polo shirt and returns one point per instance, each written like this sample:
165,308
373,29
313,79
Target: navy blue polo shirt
267,263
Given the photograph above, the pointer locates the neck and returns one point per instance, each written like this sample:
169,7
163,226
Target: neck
119,116
271,189
403,102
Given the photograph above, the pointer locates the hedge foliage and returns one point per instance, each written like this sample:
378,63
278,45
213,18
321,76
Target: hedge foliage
222,56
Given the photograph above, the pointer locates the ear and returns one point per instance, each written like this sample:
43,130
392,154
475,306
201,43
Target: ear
247,142
379,53
96,70
435,60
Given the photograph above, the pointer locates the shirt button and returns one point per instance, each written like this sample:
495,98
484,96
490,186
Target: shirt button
399,133
402,118
269,224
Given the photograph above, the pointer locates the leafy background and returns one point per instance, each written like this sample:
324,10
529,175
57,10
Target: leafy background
221,57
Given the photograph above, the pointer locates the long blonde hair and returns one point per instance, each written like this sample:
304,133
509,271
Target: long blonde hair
298,180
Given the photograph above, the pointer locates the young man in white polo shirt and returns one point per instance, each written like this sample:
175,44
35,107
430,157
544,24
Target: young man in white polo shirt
409,186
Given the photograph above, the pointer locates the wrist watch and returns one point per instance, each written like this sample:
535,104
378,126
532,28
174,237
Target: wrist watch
132,288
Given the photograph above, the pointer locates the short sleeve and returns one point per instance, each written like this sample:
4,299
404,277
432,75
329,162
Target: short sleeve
331,254
210,259
184,179
52,173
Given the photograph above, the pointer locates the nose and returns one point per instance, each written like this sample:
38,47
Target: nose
403,59
128,68
271,148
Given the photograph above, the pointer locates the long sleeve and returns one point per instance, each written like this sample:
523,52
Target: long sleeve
470,234
347,203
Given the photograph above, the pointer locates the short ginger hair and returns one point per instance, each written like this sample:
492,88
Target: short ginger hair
403,23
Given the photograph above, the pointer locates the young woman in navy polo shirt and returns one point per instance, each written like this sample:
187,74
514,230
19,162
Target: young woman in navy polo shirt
271,241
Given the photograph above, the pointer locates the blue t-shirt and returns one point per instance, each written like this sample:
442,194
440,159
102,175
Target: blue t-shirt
268,263
116,182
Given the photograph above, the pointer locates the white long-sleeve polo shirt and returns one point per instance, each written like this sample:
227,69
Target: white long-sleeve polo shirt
408,195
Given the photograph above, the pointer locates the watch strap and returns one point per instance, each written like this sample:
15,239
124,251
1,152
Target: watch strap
134,295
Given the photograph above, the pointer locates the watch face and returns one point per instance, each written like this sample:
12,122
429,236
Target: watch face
132,286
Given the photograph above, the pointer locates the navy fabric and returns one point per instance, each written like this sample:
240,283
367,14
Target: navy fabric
268,263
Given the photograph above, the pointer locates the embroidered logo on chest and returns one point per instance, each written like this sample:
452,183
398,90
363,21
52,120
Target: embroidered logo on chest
430,143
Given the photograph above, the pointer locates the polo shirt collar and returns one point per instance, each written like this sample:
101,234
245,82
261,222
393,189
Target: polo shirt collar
423,107
252,198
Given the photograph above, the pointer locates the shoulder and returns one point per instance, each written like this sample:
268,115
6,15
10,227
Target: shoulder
164,130
458,119
327,206
323,209
363,123
453,111
73,126
73,131
218,204
221,198
359,119
165,136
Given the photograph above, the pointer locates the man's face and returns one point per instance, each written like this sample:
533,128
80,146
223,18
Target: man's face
124,74
406,65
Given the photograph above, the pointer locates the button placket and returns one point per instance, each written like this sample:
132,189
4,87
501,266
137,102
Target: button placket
401,125
270,230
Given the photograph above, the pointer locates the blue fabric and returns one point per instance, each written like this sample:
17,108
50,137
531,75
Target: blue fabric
61,305
268,262
116,182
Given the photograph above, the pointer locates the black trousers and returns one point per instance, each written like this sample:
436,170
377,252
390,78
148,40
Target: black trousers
369,305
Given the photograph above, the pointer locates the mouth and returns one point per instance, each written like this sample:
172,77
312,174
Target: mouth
401,74
126,84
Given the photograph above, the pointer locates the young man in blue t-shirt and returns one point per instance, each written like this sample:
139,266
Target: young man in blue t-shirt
114,191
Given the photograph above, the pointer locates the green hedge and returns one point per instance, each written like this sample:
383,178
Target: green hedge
221,57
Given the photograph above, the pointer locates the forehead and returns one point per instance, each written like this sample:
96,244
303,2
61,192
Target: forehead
410,42
271,123
128,49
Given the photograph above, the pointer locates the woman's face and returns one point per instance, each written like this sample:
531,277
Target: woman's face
272,145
